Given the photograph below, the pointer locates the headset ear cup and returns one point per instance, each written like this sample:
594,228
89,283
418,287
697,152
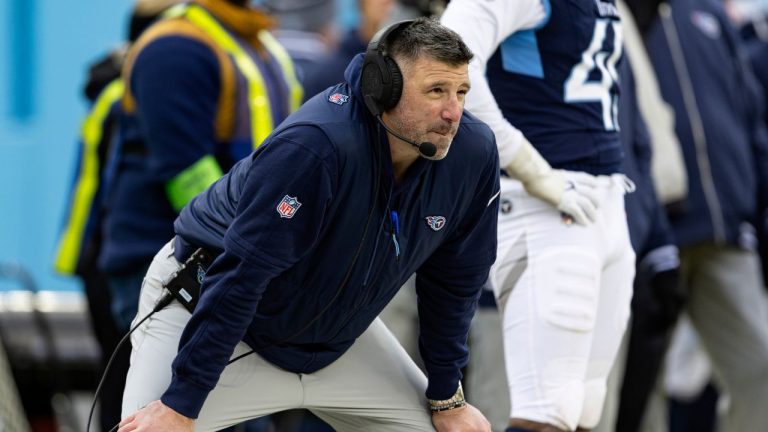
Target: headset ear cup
394,90
382,81
371,83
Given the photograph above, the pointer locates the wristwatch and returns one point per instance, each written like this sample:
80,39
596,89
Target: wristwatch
456,401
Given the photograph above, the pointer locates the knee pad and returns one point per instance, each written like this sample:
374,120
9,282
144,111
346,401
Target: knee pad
568,280
594,399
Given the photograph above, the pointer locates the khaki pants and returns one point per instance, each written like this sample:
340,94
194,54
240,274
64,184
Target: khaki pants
727,306
374,386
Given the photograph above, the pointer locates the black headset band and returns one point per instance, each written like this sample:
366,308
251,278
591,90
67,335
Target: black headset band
382,36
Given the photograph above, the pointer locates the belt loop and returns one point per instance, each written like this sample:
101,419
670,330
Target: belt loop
625,183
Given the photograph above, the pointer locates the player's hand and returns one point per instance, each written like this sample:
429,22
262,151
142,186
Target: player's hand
571,192
156,417
579,199
464,419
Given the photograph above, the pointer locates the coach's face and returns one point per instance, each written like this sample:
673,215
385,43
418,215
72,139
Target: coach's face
431,103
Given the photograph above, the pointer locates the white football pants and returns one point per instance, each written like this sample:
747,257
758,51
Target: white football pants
564,294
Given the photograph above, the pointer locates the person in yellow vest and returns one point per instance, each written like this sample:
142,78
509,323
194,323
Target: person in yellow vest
204,87
79,242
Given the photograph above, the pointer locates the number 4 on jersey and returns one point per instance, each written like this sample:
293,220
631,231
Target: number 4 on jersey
579,88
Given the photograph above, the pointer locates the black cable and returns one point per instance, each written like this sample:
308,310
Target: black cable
164,301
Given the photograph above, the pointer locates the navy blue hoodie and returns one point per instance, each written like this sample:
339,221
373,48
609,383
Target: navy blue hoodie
312,252
697,49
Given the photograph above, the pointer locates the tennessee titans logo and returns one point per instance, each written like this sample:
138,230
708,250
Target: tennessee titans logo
288,207
200,274
505,206
435,222
338,98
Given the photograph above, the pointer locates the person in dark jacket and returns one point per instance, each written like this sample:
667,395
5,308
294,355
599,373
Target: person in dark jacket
203,88
657,295
315,232
753,28
703,74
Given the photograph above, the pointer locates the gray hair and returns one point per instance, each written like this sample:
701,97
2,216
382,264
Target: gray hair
427,37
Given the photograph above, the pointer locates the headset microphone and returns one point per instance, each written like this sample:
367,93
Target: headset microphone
427,149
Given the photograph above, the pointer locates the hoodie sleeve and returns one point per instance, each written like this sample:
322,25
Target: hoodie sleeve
449,284
279,216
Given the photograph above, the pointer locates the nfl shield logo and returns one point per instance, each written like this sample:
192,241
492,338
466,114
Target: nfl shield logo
435,222
338,98
288,207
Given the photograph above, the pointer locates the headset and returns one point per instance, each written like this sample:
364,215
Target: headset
382,82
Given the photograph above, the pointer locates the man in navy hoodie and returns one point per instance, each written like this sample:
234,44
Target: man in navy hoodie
315,233
704,76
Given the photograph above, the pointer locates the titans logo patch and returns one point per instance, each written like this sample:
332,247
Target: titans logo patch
435,222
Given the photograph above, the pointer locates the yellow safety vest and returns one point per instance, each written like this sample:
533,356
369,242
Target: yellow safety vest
204,172
92,132
261,114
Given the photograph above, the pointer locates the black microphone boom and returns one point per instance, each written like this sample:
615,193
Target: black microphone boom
427,149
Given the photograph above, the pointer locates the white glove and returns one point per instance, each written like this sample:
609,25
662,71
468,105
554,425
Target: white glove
573,193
